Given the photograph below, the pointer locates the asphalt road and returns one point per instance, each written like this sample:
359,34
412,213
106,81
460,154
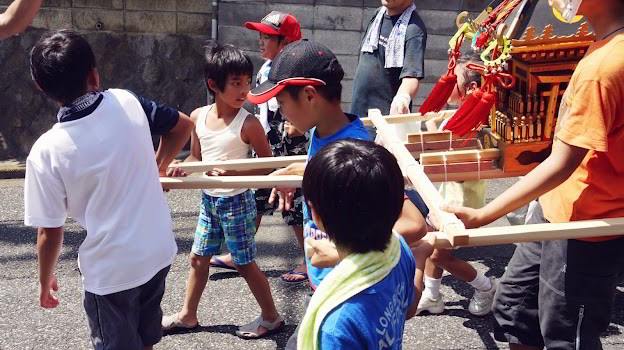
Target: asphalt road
227,301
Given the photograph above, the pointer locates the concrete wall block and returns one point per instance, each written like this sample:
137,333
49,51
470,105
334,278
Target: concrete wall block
372,3
98,19
354,3
434,69
347,91
307,33
454,5
367,16
194,23
48,3
301,2
236,14
437,46
150,21
474,5
53,18
157,5
196,6
439,22
340,42
108,4
348,63
340,18
304,13
239,36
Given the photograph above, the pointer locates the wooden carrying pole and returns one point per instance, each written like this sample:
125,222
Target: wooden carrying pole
446,222
197,182
240,164
532,233
413,117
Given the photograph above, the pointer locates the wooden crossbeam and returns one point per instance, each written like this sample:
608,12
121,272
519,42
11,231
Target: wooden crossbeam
444,221
412,117
532,233
442,145
429,136
205,182
241,164
459,156
476,167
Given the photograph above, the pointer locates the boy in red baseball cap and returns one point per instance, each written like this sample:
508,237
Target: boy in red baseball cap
277,29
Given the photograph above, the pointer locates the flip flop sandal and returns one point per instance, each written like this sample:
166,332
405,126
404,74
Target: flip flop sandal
304,277
172,323
250,330
216,262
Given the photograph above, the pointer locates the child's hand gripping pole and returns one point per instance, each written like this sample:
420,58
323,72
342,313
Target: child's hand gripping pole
443,221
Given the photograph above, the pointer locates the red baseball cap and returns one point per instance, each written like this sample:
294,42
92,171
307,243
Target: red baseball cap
278,23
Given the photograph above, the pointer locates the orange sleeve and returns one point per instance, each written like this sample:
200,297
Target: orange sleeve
588,118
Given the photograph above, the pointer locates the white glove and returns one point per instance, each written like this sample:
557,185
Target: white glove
400,103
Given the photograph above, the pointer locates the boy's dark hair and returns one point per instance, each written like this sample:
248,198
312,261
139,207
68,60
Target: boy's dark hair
223,61
357,189
60,63
331,92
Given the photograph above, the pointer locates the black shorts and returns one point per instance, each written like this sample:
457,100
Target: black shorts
558,294
292,217
130,319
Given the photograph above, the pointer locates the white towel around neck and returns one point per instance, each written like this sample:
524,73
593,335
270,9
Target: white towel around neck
395,50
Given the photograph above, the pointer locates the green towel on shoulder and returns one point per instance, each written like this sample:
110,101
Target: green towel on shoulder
352,275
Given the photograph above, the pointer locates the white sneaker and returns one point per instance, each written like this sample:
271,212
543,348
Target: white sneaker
481,301
433,306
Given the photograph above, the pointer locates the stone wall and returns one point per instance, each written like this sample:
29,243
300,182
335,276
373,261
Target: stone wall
154,47
340,24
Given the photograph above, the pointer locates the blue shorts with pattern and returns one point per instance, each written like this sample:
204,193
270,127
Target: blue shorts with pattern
229,219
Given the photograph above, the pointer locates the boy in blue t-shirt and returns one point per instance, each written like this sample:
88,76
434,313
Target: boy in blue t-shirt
306,80
374,279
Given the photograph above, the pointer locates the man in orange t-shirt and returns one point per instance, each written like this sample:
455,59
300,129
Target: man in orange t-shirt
559,293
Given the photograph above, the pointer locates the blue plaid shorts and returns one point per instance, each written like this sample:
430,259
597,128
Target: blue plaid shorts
229,219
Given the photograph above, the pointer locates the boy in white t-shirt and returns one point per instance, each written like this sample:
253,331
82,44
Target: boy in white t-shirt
224,130
97,165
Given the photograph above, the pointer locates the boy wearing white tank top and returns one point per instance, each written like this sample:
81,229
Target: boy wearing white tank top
224,130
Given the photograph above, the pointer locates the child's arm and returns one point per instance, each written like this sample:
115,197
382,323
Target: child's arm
172,142
253,134
173,126
557,168
18,16
411,224
49,241
195,153
322,252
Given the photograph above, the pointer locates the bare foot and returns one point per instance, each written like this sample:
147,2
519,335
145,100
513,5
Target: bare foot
296,275
223,261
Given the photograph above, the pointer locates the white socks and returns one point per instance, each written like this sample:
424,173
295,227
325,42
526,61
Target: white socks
432,287
480,283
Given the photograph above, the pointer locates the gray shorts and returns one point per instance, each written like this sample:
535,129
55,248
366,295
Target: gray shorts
558,294
130,319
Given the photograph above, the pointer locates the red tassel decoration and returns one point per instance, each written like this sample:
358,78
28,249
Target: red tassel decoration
440,93
475,117
469,103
